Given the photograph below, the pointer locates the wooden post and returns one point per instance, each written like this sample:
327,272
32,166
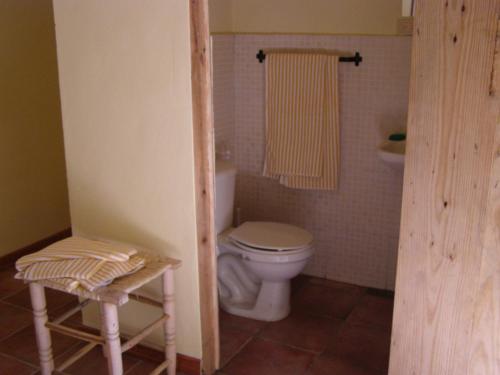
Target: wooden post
43,340
447,305
203,126
169,325
112,337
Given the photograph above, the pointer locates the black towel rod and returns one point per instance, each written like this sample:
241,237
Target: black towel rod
356,59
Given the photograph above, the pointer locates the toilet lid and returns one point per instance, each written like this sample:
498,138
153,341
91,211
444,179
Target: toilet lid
271,236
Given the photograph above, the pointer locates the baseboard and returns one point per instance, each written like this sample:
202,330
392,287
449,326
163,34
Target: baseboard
11,258
185,364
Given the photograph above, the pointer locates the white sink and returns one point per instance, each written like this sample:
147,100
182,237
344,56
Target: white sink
393,153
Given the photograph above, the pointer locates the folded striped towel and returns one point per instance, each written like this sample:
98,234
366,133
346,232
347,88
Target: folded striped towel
78,262
77,247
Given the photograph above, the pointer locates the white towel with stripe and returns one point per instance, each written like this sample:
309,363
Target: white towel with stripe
302,125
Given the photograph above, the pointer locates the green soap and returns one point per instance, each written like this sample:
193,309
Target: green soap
397,137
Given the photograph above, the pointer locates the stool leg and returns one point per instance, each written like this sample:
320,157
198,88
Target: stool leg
169,327
43,340
112,337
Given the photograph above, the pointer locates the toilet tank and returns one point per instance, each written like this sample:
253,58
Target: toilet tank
225,180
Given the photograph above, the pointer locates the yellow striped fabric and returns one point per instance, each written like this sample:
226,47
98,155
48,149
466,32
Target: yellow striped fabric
302,125
77,247
111,271
80,263
82,268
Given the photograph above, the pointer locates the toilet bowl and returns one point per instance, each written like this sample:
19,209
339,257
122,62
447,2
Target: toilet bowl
256,260
254,271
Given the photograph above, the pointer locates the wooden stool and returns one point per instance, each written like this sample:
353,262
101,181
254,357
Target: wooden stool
109,298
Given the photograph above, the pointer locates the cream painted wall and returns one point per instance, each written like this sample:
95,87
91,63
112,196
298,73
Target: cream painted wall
33,192
124,69
306,16
406,8
221,15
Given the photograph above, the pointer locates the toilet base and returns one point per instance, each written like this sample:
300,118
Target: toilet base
271,304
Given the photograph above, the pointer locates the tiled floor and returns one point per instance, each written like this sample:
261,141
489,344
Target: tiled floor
334,329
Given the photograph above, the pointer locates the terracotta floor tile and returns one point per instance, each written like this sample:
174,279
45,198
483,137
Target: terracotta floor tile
94,363
262,357
327,301
22,345
231,342
299,281
233,321
9,285
10,366
367,346
13,319
145,367
373,310
324,365
55,299
303,331
338,285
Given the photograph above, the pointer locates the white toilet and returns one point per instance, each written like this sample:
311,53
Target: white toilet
256,260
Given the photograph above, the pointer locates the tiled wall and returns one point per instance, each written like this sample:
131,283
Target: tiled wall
356,228
223,91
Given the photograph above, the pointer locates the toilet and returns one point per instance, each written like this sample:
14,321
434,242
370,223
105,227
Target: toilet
256,260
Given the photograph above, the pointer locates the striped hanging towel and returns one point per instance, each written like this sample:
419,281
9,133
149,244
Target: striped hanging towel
302,127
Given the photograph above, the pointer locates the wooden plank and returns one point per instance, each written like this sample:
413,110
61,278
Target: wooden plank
203,128
141,335
485,344
495,74
81,335
447,280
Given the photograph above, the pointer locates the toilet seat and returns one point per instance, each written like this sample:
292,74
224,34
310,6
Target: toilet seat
270,236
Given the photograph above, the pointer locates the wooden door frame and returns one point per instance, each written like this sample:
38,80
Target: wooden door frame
203,130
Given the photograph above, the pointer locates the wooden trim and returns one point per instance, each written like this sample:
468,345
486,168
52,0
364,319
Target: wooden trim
145,300
447,304
81,335
11,258
203,126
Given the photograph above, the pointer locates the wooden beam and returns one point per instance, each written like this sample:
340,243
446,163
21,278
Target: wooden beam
447,304
204,181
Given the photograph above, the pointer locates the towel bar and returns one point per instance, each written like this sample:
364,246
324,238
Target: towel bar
356,59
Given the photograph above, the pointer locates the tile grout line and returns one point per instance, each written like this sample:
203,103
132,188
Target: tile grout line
36,368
